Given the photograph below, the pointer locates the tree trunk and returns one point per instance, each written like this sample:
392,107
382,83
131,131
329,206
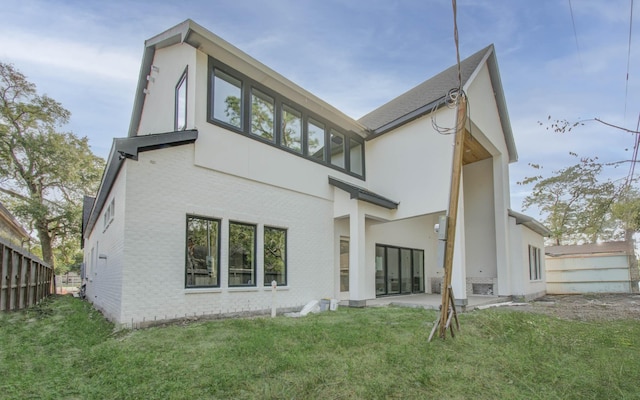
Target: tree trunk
45,243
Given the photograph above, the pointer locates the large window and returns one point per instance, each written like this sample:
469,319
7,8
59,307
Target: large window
181,103
262,117
227,99
535,271
246,106
315,140
242,251
291,129
202,248
337,149
399,270
275,256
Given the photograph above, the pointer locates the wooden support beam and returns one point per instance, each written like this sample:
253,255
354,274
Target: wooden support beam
454,194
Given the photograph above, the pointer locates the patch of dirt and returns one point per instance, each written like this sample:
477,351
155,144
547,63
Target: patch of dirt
587,307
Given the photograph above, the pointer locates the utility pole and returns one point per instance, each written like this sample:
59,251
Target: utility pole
448,310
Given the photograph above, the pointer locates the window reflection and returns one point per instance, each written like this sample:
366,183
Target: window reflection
202,252
315,140
227,99
291,129
262,107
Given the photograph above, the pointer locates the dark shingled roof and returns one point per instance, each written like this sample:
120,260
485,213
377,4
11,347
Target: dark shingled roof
427,93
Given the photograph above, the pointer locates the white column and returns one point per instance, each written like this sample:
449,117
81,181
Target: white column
501,204
357,267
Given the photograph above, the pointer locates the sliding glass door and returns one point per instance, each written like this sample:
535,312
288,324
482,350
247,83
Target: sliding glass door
399,270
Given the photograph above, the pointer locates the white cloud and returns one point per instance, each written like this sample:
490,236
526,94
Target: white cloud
90,59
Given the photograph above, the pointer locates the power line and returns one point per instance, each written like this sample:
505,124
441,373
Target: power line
575,35
626,88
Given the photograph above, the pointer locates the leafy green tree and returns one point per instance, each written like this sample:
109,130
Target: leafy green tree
43,173
577,205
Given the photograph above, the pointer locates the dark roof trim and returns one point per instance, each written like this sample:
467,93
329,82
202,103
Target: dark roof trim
130,147
415,114
530,223
359,193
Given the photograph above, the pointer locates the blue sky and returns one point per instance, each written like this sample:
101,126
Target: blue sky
356,55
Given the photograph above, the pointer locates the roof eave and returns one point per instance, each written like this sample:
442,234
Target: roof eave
530,222
130,147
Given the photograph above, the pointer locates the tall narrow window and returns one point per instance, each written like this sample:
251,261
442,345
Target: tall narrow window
355,159
337,149
227,99
242,251
344,264
181,103
262,120
291,129
202,260
535,271
275,256
315,140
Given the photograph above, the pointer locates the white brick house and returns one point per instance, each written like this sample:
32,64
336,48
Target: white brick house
256,179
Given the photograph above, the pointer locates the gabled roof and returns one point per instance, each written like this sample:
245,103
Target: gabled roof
195,35
530,223
122,149
590,249
431,93
363,194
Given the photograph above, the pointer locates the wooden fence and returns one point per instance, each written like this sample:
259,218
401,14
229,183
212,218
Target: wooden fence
26,280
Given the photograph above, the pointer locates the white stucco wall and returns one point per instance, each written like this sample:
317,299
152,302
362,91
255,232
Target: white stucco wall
158,113
521,284
412,164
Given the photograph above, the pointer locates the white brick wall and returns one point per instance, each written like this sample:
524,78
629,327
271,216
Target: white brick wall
162,188
104,286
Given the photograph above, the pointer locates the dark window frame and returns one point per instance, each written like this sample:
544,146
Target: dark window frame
285,258
253,260
217,255
184,80
247,85
386,247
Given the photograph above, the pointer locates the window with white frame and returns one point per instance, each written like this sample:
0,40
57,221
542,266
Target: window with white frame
109,213
535,271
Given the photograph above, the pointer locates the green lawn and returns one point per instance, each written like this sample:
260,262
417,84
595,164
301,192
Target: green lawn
64,349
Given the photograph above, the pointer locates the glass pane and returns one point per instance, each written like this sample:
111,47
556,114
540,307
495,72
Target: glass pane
337,149
275,256
393,271
291,129
344,265
355,157
315,140
381,287
202,252
262,107
405,270
242,242
181,104
418,271
227,99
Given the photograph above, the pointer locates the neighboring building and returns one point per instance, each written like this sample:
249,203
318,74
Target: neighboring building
592,268
10,228
258,180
